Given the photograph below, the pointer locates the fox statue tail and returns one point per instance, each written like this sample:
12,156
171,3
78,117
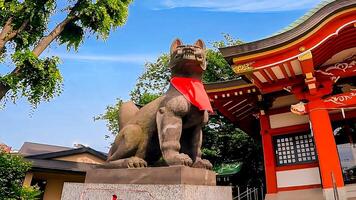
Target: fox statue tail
126,113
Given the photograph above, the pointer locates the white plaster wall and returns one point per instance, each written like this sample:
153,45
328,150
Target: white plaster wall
298,177
287,119
347,155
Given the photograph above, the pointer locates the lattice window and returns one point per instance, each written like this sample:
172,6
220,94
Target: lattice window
294,149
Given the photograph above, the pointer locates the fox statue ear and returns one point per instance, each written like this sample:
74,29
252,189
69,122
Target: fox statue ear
200,44
175,44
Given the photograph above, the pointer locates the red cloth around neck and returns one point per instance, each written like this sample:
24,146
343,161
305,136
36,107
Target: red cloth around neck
193,90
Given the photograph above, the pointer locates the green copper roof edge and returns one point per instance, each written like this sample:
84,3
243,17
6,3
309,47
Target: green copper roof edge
305,17
228,169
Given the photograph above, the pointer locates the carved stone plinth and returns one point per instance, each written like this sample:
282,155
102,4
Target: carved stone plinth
94,191
173,175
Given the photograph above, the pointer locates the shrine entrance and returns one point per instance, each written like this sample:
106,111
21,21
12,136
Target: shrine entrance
345,137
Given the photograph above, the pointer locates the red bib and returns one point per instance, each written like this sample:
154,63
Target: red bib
193,90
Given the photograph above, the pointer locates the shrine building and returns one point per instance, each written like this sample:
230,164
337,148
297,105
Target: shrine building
298,94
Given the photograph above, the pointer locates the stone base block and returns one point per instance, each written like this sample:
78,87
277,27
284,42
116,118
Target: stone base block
153,175
87,191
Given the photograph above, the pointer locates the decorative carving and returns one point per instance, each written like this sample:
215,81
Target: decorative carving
306,56
298,108
170,126
243,68
339,100
333,71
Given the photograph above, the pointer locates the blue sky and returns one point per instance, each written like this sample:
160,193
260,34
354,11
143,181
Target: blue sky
102,71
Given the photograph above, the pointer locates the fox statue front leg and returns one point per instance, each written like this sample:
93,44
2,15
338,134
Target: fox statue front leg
169,133
196,144
196,148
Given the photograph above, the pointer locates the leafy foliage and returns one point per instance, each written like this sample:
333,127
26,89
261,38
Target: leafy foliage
35,13
225,143
12,172
112,116
37,79
153,81
23,25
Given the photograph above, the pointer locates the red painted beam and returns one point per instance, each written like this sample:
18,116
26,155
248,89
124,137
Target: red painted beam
341,100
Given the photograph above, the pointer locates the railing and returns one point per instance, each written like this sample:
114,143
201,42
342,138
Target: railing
254,193
336,193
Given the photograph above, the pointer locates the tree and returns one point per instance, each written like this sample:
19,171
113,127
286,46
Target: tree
12,172
222,142
23,27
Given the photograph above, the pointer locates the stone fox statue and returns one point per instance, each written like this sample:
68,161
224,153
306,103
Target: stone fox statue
170,126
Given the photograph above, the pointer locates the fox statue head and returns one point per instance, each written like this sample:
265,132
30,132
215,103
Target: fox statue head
187,60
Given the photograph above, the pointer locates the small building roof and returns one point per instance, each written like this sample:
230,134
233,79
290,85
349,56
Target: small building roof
31,148
43,165
69,152
43,157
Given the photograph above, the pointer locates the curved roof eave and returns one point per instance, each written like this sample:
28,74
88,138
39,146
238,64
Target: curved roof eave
300,28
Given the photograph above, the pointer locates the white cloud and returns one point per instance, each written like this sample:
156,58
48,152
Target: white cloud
129,58
237,5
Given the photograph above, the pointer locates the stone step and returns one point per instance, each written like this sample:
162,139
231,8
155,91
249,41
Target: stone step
350,192
307,194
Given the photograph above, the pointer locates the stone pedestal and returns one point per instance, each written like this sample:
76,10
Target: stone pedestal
153,175
94,191
159,183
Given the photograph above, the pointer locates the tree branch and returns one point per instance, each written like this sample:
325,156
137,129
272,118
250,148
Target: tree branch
7,28
47,40
7,33
12,34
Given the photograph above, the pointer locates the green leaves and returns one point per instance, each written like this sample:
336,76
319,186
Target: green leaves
72,35
102,16
23,25
12,172
225,143
154,80
111,116
217,68
36,79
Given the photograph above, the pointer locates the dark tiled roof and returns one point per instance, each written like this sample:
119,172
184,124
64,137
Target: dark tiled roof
30,148
59,166
68,153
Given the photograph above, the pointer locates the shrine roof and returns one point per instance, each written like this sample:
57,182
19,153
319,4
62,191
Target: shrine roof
305,17
295,31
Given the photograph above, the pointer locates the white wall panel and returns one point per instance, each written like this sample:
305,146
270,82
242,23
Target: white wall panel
287,119
298,177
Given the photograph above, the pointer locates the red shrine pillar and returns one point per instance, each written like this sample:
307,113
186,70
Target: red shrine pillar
328,156
268,155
